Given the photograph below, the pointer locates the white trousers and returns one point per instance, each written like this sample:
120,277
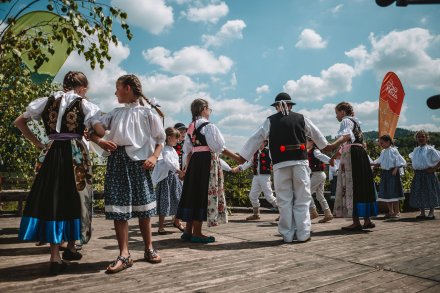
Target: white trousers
292,186
317,182
261,183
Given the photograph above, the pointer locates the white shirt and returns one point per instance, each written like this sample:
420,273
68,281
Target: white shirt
36,108
320,156
168,162
225,166
346,127
424,157
262,133
390,158
134,126
212,134
333,170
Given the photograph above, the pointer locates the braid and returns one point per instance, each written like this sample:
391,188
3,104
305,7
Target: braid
136,86
197,107
346,107
73,79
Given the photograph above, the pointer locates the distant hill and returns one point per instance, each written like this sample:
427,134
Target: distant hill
400,132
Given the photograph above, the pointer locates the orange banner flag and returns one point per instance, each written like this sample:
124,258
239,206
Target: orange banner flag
390,104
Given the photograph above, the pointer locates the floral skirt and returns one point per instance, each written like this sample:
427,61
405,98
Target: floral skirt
128,189
425,190
168,192
355,191
59,205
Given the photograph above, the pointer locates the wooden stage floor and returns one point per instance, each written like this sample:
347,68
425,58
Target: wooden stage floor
397,256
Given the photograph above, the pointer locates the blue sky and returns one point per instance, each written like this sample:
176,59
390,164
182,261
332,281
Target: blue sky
239,54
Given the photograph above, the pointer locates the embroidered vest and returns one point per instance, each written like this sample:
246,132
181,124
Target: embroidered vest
196,137
179,151
265,162
358,135
314,163
72,120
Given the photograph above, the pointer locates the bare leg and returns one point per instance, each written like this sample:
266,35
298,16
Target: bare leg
431,212
396,205
161,222
189,227
55,253
390,208
145,226
121,228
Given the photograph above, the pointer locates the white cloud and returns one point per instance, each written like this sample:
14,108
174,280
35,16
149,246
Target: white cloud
231,30
101,82
262,89
189,60
233,80
309,39
151,15
337,8
325,118
424,126
405,53
280,48
210,13
334,80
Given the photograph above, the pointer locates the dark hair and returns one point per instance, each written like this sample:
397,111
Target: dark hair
346,107
171,131
197,107
73,79
387,138
136,86
422,131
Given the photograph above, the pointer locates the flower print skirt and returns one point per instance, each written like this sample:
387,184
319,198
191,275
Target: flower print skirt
168,193
128,189
59,205
425,190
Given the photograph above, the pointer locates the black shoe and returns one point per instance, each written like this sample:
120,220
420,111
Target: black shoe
421,217
355,228
430,217
369,225
56,268
69,255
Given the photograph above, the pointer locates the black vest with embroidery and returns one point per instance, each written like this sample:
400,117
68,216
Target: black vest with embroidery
314,163
72,120
179,150
265,162
197,138
287,130
358,135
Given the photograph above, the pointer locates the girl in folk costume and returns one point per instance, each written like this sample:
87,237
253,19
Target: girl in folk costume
390,188
317,161
425,188
355,192
166,179
135,141
203,197
179,145
261,182
59,205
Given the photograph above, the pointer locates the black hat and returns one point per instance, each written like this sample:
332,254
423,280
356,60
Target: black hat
180,126
283,97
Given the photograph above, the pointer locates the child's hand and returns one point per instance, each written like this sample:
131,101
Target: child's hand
332,162
181,174
107,145
395,171
150,163
235,170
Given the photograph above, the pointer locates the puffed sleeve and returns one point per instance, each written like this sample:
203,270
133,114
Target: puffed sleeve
214,138
104,119
35,108
433,156
399,160
171,159
90,111
346,127
380,159
156,127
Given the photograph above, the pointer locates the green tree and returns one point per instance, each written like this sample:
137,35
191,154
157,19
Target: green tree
86,26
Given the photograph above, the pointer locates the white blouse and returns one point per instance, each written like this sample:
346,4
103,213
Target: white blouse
214,137
424,157
390,158
168,162
36,108
347,126
134,126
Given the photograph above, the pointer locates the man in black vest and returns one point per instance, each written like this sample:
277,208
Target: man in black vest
261,164
287,132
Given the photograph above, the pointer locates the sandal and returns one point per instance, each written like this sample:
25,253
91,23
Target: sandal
369,225
152,256
126,263
162,231
180,227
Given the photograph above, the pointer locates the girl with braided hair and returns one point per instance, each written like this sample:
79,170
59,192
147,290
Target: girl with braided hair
59,205
135,140
355,191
